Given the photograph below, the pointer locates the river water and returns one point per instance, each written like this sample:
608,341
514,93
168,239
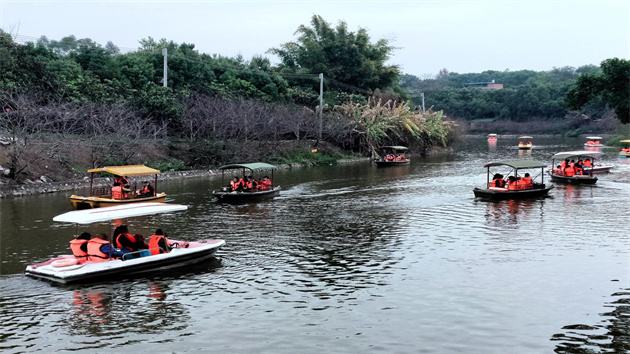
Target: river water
350,258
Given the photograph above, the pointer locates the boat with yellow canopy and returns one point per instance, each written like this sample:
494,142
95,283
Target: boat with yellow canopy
102,197
525,143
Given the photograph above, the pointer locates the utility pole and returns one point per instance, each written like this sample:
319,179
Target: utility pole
164,78
321,105
422,95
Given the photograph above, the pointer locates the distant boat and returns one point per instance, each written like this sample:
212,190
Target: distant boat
525,145
593,141
392,156
562,173
104,197
517,186
625,151
492,137
240,195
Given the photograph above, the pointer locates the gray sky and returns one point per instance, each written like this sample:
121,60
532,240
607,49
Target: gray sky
461,36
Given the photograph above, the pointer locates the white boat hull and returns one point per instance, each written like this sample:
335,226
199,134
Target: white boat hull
187,254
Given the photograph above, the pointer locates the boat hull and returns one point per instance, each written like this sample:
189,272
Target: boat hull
80,203
573,179
624,154
381,163
187,254
244,197
542,191
598,169
525,147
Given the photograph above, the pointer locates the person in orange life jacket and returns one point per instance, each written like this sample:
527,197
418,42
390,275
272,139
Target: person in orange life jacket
235,184
247,184
266,182
99,249
587,163
569,171
119,192
579,167
129,243
498,181
79,246
147,190
526,180
512,183
254,183
159,243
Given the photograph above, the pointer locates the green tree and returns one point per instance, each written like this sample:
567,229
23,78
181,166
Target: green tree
340,55
612,86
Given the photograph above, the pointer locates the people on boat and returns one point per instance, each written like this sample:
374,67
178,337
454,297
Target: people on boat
235,184
158,243
122,180
265,183
588,163
99,249
79,246
498,181
128,243
146,190
569,170
254,183
526,181
247,184
119,192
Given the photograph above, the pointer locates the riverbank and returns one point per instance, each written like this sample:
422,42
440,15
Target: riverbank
44,186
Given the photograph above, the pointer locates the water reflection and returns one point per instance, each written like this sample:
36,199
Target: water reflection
611,335
492,145
525,153
510,213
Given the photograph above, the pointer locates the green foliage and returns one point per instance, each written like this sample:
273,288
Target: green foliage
611,86
168,165
340,55
306,156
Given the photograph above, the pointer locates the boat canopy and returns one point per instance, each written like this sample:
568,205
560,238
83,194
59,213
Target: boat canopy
525,137
131,170
401,148
517,164
594,138
567,154
249,166
492,135
625,141
88,216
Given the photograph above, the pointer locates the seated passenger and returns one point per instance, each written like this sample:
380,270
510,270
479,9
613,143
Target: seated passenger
498,181
100,250
235,184
79,246
119,192
511,183
587,163
159,243
247,184
146,190
569,171
266,183
527,180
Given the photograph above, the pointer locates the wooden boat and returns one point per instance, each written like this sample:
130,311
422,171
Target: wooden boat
593,141
226,194
69,269
516,190
625,151
392,156
558,175
492,137
525,145
103,196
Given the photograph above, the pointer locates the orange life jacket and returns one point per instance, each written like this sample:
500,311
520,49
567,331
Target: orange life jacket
117,192
235,185
145,190
94,250
130,237
154,244
569,171
587,163
75,246
527,181
498,183
512,186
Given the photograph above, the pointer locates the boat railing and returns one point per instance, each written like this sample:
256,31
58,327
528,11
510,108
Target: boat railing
136,254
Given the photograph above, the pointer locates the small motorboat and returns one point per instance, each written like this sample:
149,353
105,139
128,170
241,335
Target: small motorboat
519,184
564,168
392,156
242,195
492,137
525,142
70,269
625,150
593,141
103,197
